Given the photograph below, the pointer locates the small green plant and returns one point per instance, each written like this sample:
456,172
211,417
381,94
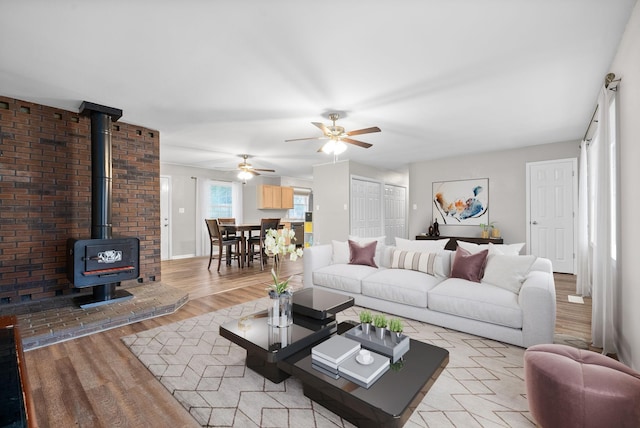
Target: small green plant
380,321
365,316
395,325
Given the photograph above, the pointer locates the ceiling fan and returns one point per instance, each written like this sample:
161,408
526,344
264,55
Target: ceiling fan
247,171
337,136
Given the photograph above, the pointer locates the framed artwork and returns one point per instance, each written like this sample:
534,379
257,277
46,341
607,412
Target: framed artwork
461,202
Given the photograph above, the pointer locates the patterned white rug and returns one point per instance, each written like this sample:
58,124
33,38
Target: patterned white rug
482,386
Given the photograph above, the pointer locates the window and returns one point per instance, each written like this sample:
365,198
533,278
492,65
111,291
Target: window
220,200
300,204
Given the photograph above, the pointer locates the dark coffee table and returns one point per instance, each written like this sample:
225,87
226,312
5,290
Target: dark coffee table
390,401
313,321
320,304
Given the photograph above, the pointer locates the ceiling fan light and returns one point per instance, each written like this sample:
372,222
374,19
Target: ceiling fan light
329,147
245,175
339,147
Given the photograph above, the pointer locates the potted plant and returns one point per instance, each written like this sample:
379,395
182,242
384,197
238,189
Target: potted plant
280,311
395,327
365,321
495,232
485,229
380,323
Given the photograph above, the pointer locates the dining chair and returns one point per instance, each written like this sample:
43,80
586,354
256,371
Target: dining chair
227,221
257,242
222,242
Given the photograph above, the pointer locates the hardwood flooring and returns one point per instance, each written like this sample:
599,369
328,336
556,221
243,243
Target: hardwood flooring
94,381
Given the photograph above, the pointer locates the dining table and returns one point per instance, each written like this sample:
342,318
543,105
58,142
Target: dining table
240,230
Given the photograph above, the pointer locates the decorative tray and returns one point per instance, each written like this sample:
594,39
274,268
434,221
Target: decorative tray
384,346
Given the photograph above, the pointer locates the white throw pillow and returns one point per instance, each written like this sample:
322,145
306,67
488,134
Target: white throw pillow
442,267
498,249
412,260
379,246
506,250
340,253
507,271
422,245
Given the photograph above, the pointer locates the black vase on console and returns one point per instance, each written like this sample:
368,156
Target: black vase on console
436,228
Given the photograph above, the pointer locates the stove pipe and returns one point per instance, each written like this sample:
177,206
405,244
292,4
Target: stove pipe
101,169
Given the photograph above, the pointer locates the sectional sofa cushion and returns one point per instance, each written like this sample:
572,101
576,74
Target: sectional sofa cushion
343,277
412,260
424,246
508,272
404,286
469,266
362,254
442,265
340,252
483,302
504,249
379,246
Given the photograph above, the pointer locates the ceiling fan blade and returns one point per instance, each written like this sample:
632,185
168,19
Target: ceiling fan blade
264,170
322,127
253,171
307,138
357,143
364,131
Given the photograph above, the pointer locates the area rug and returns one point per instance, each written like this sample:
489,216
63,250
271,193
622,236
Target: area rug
482,386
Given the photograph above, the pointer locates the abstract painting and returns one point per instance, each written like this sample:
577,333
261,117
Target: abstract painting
461,202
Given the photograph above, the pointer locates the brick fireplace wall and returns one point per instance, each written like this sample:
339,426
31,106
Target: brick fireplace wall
45,195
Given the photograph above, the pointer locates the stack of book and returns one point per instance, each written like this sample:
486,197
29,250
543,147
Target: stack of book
327,356
365,374
340,356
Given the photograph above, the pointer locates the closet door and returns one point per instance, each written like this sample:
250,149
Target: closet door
395,213
366,210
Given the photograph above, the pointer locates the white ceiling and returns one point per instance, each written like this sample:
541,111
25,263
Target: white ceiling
220,78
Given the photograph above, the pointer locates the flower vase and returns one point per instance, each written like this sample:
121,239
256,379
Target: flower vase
381,332
280,309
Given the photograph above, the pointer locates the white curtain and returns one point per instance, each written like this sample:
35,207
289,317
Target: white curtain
236,196
583,280
202,204
597,223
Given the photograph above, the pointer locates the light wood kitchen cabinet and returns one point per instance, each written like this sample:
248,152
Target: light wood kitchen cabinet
274,197
287,197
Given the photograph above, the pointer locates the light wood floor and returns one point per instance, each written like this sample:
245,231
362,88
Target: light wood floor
95,381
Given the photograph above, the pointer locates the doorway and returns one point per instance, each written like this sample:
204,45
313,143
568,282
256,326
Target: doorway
552,198
395,213
366,208
165,216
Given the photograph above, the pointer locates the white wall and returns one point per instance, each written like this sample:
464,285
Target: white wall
626,65
506,171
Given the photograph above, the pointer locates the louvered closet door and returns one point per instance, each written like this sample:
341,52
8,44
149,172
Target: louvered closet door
395,213
366,211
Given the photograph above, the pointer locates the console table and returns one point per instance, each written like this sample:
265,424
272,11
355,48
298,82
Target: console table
453,240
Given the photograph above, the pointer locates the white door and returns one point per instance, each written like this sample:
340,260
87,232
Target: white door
165,204
366,208
552,202
395,212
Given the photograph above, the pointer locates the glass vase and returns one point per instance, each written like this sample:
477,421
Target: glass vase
280,309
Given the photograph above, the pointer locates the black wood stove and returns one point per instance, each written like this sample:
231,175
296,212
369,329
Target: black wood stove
102,261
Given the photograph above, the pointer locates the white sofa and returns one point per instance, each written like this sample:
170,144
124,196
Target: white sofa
522,319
